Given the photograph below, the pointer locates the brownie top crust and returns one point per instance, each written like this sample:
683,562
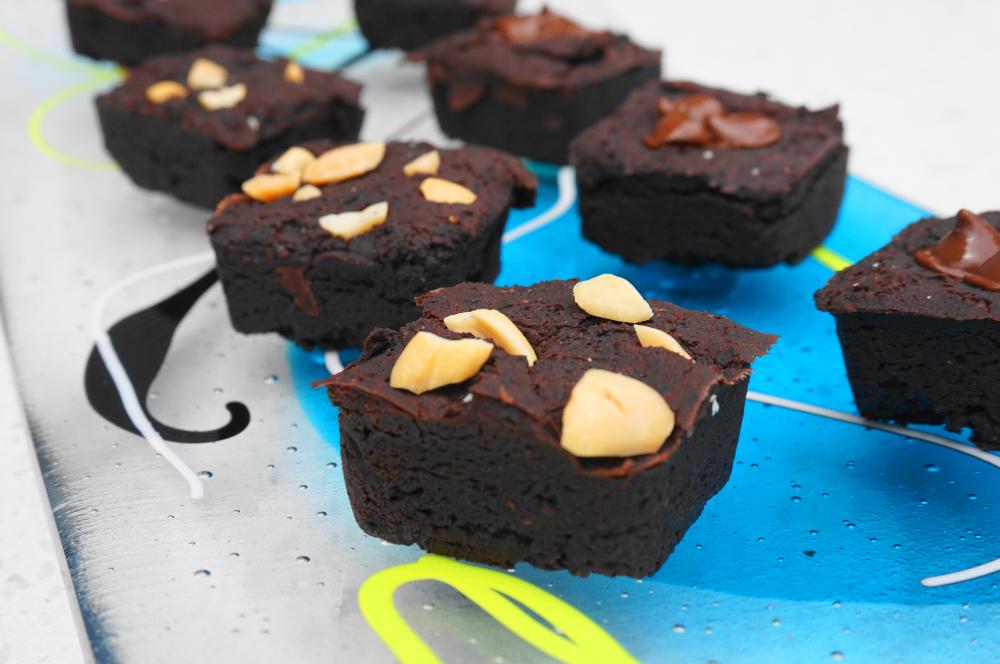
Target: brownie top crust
287,231
216,19
615,147
273,101
507,392
543,51
892,281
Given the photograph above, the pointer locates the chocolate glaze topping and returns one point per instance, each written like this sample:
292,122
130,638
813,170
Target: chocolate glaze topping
552,35
971,252
700,119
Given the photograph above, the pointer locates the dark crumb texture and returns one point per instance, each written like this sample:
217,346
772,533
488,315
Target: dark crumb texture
919,346
130,31
409,24
282,272
749,207
200,155
476,470
531,99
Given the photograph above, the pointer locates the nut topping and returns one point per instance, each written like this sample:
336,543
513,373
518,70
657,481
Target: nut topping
206,75
306,193
495,326
651,337
352,224
294,73
611,297
216,100
294,160
267,187
164,91
612,415
344,163
427,163
429,362
437,190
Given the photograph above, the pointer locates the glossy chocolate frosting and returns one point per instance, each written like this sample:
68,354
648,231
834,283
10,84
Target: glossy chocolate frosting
971,252
701,119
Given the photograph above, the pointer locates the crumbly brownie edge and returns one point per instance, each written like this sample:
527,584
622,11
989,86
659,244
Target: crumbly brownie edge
706,225
499,497
915,369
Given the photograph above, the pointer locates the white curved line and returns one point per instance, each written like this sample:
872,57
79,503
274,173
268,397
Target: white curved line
566,178
931,581
130,400
332,361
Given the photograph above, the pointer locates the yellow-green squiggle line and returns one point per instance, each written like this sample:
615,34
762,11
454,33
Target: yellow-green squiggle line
317,42
579,639
830,258
12,42
102,77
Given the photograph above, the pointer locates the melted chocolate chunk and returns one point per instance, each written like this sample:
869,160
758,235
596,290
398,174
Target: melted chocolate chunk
552,35
971,252
700,119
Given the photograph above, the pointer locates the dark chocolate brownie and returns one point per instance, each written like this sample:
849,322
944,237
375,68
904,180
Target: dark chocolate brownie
409,24
922,346
704,196
529,84
284,272
130,31
476,470
200,154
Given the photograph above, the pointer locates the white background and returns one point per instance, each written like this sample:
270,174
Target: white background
919,86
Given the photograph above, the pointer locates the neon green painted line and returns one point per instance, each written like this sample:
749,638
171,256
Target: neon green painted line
830,258
317,42
580,638
38,118
12,42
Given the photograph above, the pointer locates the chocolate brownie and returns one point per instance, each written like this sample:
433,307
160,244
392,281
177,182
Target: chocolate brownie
482,469
409,24
301,267
130,31
196,125
919,324
687,173
529,84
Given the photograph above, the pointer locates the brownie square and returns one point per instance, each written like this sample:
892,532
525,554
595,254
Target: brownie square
703,199
529,84
200,154
476,470
130,31
920,346
284,272
409,24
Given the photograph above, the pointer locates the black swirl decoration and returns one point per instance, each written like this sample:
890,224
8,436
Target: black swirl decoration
142,341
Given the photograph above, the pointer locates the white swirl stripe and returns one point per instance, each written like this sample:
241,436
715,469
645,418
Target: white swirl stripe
931,581
332,361
126,391
566,179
